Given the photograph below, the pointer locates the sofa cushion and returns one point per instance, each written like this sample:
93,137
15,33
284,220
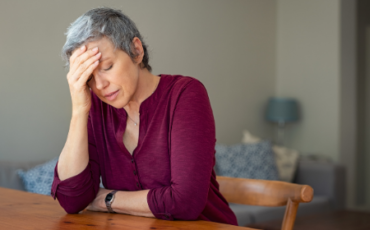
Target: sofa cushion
254,161
243,214
327,179
247,214
286,159
39,178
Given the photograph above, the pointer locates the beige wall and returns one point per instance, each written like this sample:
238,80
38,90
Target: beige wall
228,45
316,63
349,100
308,68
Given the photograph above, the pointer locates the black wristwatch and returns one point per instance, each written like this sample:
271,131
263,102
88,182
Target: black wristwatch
109,200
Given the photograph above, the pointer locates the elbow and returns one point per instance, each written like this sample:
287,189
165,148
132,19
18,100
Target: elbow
189,209
193,214
186,214
72,205
167,204
182,213
190,216
72,209
75,204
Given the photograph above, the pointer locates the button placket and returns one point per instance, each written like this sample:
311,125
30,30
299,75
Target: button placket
138,185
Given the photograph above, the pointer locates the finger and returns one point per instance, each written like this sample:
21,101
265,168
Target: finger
85,55
84,66
86,74
76,53
82,57
74,74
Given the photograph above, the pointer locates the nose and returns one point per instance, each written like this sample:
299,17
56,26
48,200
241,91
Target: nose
100,81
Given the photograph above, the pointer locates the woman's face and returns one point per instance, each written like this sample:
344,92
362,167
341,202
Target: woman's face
115,79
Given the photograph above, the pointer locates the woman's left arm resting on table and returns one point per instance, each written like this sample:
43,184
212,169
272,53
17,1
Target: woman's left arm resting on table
125,202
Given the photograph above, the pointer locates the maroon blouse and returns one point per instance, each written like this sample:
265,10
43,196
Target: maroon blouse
174,157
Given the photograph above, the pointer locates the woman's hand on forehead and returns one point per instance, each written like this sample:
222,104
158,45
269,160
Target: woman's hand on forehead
82,64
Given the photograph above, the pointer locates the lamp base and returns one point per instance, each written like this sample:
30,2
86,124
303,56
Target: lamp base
280,131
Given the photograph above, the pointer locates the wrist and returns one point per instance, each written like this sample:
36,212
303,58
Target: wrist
79,118
103,206
109,199
77,114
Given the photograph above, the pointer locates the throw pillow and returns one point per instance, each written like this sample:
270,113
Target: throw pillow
248,138
286,162
286,159
254,161
39,178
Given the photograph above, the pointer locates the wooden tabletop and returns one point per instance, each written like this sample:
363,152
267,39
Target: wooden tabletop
23,210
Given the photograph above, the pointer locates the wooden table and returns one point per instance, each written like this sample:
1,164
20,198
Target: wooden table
22,210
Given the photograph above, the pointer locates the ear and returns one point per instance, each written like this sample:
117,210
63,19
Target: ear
138,49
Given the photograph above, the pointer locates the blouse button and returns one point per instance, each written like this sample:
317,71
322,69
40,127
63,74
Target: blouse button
132,160
134,172
137,185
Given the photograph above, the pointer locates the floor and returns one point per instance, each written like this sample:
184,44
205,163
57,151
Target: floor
338,220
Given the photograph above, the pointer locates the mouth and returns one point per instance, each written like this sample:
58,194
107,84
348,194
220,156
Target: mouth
111,96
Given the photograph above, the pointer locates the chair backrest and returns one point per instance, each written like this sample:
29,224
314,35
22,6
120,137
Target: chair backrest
266,193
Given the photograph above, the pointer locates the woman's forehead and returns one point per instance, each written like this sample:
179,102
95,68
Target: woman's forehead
104,45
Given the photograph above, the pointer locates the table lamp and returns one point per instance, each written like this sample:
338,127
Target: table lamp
282,111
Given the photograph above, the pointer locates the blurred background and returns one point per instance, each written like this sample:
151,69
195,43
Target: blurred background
244,51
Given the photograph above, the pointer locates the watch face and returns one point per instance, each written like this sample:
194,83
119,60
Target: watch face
109,197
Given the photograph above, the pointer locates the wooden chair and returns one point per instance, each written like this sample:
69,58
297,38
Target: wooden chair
266,193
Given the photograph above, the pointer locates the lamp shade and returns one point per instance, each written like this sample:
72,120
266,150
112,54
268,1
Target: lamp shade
282,110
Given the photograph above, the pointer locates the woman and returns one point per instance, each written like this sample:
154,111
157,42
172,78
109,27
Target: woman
150,138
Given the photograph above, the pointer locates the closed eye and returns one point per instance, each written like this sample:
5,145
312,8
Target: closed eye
91,76
109,68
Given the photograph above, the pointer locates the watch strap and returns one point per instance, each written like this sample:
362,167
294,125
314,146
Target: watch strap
108,203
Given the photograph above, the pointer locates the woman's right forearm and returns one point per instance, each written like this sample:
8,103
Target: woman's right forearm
75,155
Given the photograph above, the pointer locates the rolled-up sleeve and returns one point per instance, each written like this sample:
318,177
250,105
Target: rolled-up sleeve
76,193
192,142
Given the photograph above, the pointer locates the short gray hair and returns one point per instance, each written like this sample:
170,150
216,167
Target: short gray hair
100,22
